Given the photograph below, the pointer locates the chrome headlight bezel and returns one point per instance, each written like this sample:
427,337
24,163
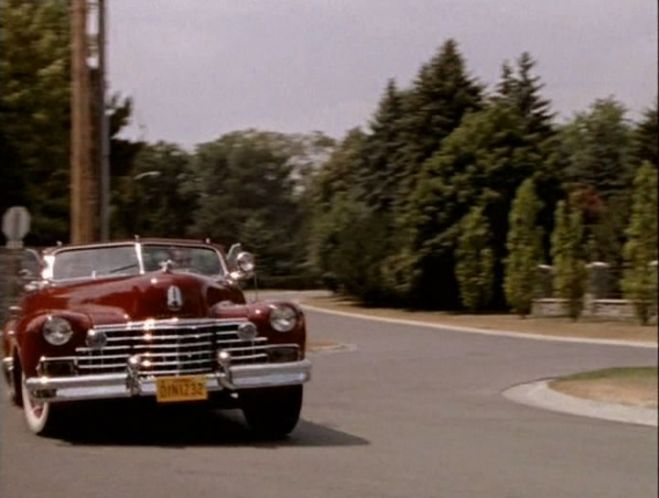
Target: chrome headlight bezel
247,331
96,339
57,330
283,317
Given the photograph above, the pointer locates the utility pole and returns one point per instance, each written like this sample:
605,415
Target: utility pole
104,139
83,172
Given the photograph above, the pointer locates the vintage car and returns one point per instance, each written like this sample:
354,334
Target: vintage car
164,319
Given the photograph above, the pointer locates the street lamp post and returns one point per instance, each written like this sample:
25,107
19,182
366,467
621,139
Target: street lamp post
136,180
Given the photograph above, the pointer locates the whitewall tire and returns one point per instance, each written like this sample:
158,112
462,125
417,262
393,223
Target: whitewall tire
40,416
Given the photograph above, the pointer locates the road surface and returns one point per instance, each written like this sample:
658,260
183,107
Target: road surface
408,412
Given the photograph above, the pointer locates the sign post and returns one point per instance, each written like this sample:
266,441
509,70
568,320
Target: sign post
15,226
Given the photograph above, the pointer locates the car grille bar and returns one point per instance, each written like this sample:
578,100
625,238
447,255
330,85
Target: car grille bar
170,347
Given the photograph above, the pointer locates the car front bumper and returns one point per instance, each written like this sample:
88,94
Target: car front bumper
125,385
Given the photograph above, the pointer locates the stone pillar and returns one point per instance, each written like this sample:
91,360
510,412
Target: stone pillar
544,285
600,281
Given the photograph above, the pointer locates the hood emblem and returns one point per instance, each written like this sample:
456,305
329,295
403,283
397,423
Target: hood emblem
174,298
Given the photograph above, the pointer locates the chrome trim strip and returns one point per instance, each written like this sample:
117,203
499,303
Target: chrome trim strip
250,357
155,338
140,258
106,386
102,366
170,323
46,359
195,335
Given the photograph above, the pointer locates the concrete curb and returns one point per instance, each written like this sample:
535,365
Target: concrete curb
538,394
473,330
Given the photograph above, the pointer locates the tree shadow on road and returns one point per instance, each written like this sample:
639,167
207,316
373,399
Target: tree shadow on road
190,426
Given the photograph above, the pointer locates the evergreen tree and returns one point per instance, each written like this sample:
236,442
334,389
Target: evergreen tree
380,177
443,93
482,161
593,154
522,90
645,135
566,250
640,280
524,249
598,149
474,261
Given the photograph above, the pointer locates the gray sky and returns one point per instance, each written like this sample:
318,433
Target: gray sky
199,68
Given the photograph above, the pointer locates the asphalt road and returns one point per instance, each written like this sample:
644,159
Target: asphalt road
411,412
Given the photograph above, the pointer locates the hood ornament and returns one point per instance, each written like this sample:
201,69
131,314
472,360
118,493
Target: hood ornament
174,298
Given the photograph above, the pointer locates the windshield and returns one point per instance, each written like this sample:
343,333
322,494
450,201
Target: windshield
95,262
203,260
112,261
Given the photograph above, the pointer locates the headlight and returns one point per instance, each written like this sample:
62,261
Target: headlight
57,331
283,318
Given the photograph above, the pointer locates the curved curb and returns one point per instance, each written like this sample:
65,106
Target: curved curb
473,330
333,348
538,394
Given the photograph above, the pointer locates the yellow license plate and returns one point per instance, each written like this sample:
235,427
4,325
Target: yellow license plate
187,388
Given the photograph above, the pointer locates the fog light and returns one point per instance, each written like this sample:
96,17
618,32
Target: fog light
284,354
54,367
96,339
247,331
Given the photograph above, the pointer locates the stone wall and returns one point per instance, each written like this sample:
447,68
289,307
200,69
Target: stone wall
610,309
602,298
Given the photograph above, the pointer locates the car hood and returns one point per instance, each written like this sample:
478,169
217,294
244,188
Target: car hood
153,295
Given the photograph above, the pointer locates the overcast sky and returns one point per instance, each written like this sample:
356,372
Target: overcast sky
199,68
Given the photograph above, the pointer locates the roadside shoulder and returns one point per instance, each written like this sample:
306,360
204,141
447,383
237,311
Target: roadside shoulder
408,318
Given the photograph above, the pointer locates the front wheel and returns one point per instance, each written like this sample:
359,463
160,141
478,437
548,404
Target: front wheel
42,417
272,412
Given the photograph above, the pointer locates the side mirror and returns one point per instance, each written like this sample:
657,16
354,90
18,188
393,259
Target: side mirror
232,255
244,263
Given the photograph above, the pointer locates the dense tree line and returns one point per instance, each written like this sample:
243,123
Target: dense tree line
246,186
449,197
452,195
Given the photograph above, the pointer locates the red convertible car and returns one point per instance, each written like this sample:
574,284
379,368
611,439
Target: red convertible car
164,319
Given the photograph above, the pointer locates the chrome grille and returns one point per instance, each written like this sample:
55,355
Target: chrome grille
170,347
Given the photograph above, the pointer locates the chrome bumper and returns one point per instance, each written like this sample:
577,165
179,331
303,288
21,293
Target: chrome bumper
120,385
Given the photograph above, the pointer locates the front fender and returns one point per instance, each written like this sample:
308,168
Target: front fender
32,345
